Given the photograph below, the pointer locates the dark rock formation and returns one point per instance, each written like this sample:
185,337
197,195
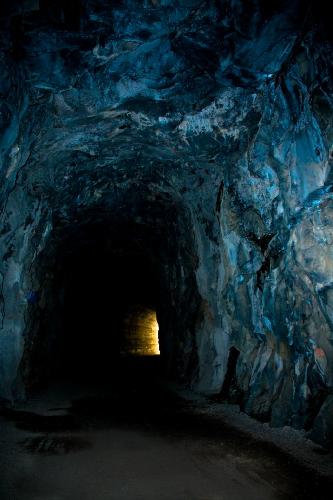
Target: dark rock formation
195,138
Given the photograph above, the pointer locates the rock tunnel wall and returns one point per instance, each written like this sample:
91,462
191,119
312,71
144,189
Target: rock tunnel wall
220,114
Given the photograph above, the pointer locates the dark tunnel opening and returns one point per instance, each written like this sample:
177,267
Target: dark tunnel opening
100,290
101,314
103,303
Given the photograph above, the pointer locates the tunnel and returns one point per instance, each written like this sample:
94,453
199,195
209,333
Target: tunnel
104,297
166,235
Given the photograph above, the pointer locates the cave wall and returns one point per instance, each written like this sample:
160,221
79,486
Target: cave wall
221,110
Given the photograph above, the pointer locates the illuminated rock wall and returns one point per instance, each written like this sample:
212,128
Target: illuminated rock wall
215,119
140,332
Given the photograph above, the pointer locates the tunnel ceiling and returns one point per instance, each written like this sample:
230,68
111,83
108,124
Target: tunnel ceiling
208,124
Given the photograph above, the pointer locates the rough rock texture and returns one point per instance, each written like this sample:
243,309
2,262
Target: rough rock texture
203,130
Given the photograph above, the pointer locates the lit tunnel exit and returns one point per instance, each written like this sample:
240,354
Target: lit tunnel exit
140,332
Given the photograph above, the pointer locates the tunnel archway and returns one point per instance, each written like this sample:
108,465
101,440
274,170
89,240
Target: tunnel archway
97,268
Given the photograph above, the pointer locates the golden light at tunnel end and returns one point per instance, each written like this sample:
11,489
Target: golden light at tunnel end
141,332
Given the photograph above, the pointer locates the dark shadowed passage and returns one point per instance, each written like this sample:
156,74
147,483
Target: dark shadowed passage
106,290
106,296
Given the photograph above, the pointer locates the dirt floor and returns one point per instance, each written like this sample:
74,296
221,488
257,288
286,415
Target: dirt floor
137,440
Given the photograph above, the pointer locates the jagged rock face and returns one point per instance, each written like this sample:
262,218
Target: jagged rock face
200,132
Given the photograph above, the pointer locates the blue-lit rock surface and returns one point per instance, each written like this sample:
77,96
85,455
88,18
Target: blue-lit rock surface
208,127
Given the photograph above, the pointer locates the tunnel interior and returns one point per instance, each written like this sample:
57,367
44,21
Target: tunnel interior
175,156
104,297
102,285
98,288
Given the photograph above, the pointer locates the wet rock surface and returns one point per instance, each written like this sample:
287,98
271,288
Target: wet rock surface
197,135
